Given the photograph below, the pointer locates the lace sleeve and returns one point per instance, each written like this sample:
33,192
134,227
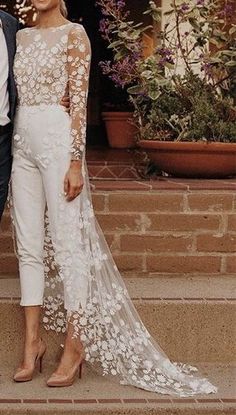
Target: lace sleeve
79,59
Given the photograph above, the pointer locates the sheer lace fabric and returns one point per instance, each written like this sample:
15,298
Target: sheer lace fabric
83,284
50,62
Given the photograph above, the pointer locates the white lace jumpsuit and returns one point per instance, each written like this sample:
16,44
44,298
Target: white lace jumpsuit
64,262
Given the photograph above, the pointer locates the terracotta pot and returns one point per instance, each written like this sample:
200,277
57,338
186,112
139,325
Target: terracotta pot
193,159
120,132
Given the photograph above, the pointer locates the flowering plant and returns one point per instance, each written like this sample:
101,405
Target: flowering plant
186,88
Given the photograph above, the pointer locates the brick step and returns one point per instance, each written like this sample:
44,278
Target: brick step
96,395
165,226
200,312
112,164
113,171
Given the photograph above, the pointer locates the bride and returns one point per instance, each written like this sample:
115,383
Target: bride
66,268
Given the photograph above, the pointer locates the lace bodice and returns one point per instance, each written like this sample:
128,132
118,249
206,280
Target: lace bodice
48,63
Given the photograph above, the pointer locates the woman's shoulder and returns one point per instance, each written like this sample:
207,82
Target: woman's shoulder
24,32
76,30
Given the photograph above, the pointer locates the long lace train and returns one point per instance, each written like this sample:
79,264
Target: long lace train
88,284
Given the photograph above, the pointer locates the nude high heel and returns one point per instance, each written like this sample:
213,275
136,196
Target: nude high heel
57,380
25,375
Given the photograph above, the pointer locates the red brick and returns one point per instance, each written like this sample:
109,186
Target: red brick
183,264
134,400
9,400
183,222
115,222
184,400
231,264
129,262
160,400
112,241
86,401
232,222
120,185
98,202
147,243
8,264
228,400
34,400
51,400
211,202
109,400
212,243
145,202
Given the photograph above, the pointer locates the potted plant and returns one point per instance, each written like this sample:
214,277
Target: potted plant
184,91
120,128
118,114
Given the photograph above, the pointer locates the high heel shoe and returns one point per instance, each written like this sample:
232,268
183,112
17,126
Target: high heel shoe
25,375
57,380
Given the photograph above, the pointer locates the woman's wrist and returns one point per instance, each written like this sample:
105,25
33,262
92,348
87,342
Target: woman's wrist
77,164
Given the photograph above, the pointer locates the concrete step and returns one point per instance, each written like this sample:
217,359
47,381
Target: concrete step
96,395
192,319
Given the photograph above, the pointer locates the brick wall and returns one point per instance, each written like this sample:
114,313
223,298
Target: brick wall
160,231
170,232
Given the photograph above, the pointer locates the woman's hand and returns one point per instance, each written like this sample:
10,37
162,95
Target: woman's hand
73,182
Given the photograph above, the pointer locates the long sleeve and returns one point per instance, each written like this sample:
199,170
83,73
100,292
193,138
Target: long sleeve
79,59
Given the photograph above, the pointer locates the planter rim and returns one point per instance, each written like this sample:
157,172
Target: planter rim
187,146
116,114
105,113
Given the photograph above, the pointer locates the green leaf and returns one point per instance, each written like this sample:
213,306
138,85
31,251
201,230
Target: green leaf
169,12
133,90
232,30
231,63
193,23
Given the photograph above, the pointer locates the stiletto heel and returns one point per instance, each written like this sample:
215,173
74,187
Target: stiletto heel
41,363
25,375
80,370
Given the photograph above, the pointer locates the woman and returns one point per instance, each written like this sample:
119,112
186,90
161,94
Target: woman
82,293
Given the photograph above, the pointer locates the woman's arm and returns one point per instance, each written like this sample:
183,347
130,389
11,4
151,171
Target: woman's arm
79,58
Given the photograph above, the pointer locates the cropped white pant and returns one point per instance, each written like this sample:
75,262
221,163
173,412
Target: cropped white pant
40,160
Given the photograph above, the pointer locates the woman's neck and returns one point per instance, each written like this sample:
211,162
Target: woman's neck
50,18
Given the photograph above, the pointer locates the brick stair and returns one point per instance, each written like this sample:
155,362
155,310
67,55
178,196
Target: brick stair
166,226
192,319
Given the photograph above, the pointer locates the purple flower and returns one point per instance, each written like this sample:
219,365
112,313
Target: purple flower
184,7
200,2
120,72
227,11
104,28
120,4
207,68
166,56
164,51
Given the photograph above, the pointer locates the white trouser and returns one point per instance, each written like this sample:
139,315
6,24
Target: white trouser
41,158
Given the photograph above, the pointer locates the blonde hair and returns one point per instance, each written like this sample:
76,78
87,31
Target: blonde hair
63,8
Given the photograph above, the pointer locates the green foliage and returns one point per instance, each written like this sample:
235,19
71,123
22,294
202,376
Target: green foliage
198,105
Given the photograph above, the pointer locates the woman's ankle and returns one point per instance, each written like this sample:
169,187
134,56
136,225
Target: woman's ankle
32,339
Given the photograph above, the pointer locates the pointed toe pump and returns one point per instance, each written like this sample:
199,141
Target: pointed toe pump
57,380
26,375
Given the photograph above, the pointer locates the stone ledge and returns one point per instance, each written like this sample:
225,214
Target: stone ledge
155,288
